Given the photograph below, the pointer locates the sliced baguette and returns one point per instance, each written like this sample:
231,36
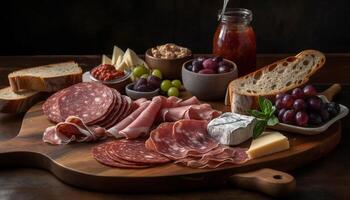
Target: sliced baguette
17,102
48,78
278,77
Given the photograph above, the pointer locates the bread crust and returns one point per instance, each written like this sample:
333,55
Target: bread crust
236,98
44,84
20,105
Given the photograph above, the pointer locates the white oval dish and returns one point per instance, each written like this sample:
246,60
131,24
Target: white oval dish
313,130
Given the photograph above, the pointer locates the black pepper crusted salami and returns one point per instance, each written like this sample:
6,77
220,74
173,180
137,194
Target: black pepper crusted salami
135,151
100,154
88,101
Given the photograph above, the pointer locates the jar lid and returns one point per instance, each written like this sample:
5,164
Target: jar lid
239,15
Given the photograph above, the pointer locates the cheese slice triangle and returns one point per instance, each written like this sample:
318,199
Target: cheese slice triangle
106,60
130,59
117,55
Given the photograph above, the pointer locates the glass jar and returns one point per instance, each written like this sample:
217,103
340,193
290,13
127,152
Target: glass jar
234,39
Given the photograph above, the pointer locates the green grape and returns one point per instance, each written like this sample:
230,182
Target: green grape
139,71
157,73
144,76
173,91
165,85
176,83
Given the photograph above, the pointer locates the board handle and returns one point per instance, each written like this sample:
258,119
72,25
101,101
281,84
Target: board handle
268,181
332,91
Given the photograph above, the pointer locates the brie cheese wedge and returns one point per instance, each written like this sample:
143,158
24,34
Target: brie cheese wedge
232,128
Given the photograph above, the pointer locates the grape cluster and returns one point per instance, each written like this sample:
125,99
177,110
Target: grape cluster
206,65
303,108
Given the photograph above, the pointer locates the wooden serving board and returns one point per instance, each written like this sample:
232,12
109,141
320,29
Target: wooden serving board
74,164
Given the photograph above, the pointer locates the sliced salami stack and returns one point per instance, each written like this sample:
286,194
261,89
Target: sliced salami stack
127,154
188,143
94,103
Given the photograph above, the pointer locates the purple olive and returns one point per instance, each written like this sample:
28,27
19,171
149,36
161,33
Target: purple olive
141,81
224,69
217,59
154,81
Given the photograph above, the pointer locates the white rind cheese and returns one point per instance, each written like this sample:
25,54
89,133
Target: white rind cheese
268,143
231,128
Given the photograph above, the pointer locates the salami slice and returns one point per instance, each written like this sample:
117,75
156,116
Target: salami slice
116,111
88,101
50,107
135,151
100,154
161,140
193,135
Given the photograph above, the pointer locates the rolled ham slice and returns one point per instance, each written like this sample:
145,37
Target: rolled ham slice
143,123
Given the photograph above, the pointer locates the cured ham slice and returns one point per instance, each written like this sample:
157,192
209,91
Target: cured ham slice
143,123
161,140
127,121
191,101
199,112
73,129
193,135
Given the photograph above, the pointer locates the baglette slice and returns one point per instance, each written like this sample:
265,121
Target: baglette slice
278,77
47,78
17,102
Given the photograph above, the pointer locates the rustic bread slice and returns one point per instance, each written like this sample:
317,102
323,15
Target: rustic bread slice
17,102
278,77
48,78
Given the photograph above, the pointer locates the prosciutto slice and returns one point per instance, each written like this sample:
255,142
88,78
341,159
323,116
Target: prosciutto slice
142,124
200,112
73,129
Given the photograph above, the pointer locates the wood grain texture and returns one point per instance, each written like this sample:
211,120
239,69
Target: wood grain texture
75,165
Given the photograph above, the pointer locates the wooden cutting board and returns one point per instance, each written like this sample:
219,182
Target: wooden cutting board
74,164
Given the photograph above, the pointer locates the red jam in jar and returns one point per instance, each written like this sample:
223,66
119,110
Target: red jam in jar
234,39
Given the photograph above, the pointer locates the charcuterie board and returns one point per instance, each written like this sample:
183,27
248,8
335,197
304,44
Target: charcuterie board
74,164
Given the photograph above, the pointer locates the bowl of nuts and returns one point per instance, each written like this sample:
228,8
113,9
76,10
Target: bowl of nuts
168,58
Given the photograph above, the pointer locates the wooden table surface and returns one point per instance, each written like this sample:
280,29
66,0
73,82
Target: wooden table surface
327,178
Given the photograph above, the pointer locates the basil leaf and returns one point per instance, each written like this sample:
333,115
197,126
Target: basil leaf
272,121
259,128
257,114
273,110
268,106
261,103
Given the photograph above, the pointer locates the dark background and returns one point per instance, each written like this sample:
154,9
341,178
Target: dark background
93,27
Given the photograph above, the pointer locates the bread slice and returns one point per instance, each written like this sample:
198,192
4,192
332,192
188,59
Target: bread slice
17,102
48,78
278,77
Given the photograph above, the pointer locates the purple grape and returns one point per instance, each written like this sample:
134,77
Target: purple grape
301,118
299,104
144,88
289,117
281,113
210,64
141,81
189,67
298,93
333,109
287,101
279,104
280,95
201,58
314,118
224,69
324,114
309,91
207,71
217,59
224,63
314,103
154,81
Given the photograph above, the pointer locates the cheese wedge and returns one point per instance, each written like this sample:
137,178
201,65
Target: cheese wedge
117,55
130,59
268,143
106,60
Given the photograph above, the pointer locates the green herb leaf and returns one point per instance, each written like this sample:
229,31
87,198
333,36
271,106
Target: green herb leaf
259,128
257,114
273,120
261,101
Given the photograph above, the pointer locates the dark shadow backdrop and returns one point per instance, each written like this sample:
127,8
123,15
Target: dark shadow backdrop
92,27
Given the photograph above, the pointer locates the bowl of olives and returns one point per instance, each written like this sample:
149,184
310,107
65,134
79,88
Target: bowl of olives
207,77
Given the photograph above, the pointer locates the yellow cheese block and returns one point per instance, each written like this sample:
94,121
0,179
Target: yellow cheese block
268,143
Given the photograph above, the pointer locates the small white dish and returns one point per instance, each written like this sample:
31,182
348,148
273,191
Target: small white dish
313,130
